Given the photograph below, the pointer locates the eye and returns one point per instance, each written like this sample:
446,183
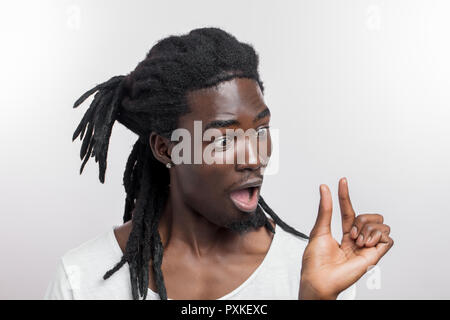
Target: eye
223,143
263,132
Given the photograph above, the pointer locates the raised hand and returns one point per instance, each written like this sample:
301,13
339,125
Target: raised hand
328,267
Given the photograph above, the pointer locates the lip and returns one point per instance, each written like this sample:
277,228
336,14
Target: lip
252,183
257,182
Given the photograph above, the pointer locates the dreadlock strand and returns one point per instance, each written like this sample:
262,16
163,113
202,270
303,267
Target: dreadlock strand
278,221
157,262
105,128
155,206
157,249
131,163
88,116
86,157
119,265
134,244
135,187
128,181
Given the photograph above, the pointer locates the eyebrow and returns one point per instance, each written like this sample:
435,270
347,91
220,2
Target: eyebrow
262,114
233,122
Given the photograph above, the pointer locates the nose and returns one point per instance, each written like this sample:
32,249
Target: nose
247,156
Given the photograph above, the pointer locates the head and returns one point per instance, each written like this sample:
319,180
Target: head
206,75
209,188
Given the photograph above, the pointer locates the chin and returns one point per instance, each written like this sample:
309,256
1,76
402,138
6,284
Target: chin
247,221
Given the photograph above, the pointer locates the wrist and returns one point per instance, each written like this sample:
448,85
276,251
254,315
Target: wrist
310,292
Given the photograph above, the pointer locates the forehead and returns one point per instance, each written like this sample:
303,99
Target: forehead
237,97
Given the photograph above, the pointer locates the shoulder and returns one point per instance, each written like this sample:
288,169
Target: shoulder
122,233
80,270
99,248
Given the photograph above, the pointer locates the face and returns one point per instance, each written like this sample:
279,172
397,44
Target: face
226,192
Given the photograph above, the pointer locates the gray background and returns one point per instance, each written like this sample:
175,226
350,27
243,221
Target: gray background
357,88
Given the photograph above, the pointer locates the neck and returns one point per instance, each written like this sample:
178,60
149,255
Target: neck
181,226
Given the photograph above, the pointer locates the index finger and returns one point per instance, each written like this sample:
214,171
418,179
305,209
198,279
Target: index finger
347,212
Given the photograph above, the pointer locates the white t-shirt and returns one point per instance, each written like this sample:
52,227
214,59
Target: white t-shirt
80,271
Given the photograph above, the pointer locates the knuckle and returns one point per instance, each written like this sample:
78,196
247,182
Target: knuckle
368,228
367,217
361,219
342,197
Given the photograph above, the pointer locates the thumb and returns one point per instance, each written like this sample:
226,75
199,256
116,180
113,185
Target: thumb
323,221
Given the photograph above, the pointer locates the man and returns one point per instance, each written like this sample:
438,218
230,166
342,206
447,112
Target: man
200,230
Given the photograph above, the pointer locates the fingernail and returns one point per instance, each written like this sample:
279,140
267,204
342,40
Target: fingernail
354,231
368,239
361,238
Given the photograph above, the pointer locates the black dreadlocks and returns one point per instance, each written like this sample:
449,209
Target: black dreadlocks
151,99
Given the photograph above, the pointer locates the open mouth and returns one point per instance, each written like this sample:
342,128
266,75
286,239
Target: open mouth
246,199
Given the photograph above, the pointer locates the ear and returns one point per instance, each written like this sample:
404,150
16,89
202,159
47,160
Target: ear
161,147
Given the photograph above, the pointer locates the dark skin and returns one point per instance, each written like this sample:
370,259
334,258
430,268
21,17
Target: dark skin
203,258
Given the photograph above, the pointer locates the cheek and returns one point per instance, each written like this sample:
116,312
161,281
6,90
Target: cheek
203,189
189,179
201,186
